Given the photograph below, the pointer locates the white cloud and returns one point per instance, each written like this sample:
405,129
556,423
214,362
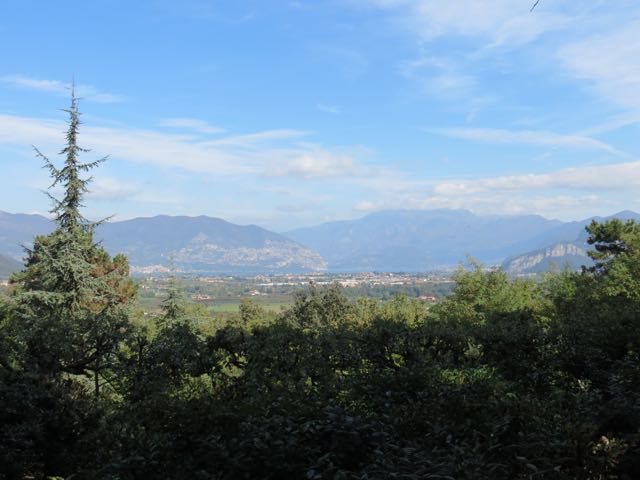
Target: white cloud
109,188
610,62
35,84
565,206
549,206
317,162
505,23
84,91
596,42
612,124
193,124
267,153
525,137
619,176
366,206
253,138
568,193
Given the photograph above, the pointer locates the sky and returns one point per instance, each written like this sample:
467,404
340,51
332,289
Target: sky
291,113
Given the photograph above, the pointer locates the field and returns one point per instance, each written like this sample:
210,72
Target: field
223,295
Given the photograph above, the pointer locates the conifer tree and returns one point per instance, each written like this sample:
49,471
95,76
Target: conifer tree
173,306
71,298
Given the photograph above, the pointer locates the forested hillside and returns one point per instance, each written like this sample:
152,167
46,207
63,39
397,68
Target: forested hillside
504,379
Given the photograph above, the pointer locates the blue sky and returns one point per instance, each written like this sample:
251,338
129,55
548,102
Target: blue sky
291,113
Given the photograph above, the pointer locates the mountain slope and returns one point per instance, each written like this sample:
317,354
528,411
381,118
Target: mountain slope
196,244
559,256
206,244
408,240
567,248
8,265
402,240
17,229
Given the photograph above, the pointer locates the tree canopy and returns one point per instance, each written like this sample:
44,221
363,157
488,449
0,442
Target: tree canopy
504,379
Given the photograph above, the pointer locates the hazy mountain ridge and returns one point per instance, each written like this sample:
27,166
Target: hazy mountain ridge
8,265
410,240
18,229
196,244
559,256
401,240
567,248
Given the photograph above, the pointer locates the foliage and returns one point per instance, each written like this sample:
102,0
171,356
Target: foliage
503,379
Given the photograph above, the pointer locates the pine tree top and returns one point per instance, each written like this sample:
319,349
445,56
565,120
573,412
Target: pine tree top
67,210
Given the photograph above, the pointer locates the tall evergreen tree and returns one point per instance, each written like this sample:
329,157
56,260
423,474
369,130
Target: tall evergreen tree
71,298
67,210
173,306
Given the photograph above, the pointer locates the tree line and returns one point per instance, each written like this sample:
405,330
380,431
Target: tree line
503,379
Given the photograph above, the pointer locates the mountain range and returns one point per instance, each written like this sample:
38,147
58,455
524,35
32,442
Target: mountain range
411,240
192,244
565,247
8,265
418,240
392,241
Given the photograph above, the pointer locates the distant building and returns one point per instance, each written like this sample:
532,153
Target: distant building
428,298
200,297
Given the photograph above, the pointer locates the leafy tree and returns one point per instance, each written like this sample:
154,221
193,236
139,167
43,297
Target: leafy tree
251,312
480,293
318,307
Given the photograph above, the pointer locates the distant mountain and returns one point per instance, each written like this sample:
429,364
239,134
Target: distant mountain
8,265
409,240
206,244
567,248
196,244
18,229
400,240
559,256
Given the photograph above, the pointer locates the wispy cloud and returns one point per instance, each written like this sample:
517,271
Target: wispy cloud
315,162
259,137
610,62
111,189
328,108
267,154
87,92
618,176
494,203
192,124
614,123
439,77
504,23
525,137
570,192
